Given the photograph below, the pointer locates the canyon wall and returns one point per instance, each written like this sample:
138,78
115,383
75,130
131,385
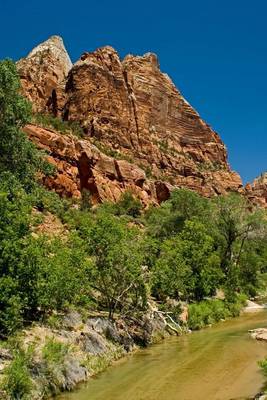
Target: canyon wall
139,131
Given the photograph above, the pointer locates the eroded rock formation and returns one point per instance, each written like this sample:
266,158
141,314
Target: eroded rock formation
257,191
43,73
81,166
128,107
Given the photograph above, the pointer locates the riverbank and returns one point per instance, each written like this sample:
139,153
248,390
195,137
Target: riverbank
72,348
56,358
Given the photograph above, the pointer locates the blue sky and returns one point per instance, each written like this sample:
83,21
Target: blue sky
215,52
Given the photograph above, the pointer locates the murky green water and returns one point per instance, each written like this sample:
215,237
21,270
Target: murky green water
218,363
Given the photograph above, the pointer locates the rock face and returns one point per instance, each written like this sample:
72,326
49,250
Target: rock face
82,166
257,191
131,109
43,73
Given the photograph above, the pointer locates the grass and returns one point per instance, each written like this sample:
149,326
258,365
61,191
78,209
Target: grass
98,363
53,355
17,383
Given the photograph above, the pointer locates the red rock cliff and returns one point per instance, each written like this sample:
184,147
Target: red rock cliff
257,191
133,109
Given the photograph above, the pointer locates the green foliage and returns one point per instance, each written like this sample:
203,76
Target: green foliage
169,219
17,154
14,109
239,233
188,266
17,381
63,271
117,272
44,200
172,276
65,127
211,311
201,245
263,365
37,275
128,205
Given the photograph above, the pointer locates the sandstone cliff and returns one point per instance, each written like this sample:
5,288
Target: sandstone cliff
257,191
129,109
43,72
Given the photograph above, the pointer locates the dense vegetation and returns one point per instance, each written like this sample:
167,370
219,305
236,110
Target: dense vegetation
115,256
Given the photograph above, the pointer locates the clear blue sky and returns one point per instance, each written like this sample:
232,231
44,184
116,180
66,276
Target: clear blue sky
214,50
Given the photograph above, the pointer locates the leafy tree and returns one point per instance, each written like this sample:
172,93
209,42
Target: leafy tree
62,276
188,266
117,273
172,276
169,219
37,275
14,225
239,230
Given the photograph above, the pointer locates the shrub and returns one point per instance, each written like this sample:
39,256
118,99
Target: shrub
209,311
128,205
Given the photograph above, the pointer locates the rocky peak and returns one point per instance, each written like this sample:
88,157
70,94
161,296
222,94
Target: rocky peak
106,56
43,73
54,46
148,58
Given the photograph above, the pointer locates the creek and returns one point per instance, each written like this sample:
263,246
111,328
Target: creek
217,363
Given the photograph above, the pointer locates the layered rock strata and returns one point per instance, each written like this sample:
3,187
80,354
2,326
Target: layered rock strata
82,166
132,109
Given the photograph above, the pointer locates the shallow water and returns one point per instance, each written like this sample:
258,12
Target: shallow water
217,363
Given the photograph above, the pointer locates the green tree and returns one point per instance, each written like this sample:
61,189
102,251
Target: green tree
117,273
188,266
169,219
240,229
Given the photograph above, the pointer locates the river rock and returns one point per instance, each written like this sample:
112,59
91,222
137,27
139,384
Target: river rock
92,342
253,307
74,373
72,320
259,334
